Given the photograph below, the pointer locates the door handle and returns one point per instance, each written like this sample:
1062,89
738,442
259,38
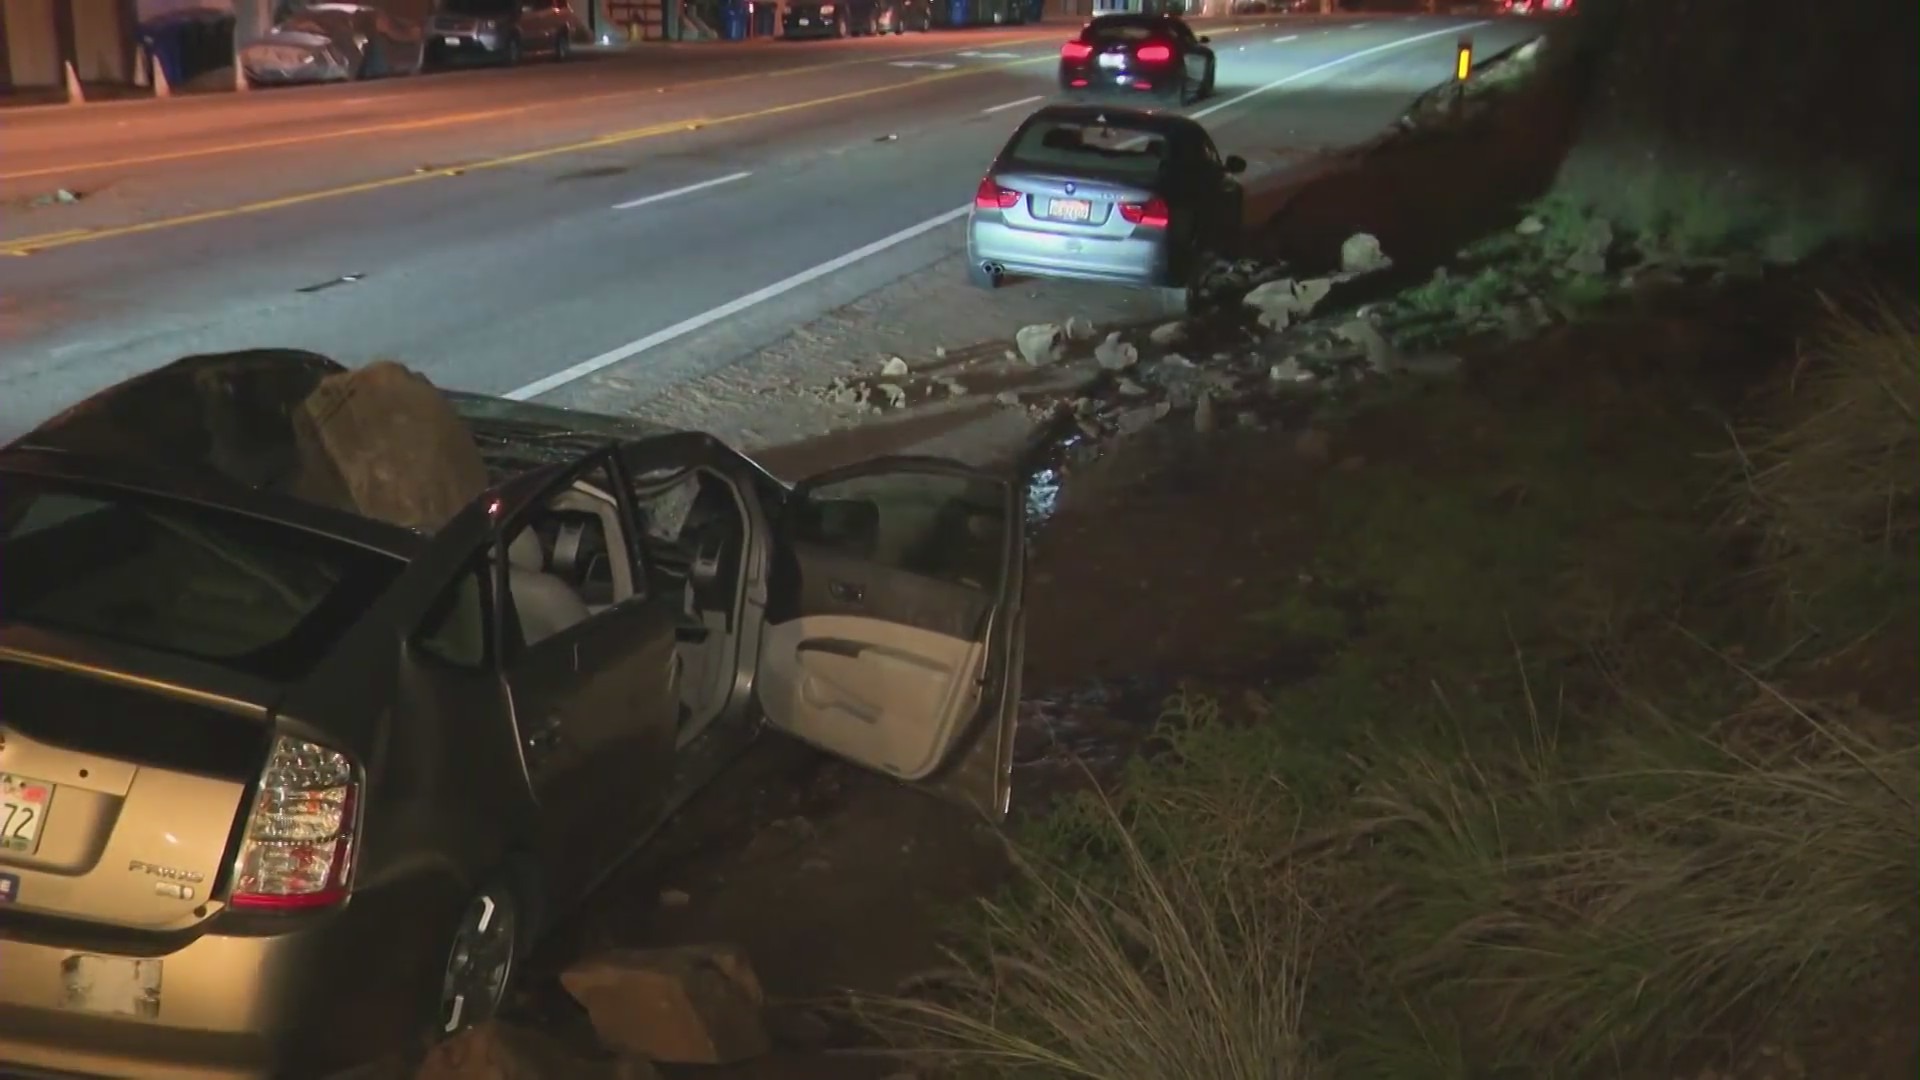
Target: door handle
846,592
545,737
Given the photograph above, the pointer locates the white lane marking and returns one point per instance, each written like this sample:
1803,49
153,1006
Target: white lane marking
1284,40
924,64
1372,50
1014,104
730,308
989,55
833,266
658,196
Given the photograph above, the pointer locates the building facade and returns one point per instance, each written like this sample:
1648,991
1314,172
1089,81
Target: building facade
39,37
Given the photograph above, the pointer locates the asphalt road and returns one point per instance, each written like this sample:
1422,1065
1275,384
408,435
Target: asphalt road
656,214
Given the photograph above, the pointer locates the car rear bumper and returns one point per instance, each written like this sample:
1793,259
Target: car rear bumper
1141,261
454,45
1091,80
329,992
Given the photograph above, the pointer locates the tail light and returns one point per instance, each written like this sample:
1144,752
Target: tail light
1075,50
1153,54
991,196
1152,213
297,852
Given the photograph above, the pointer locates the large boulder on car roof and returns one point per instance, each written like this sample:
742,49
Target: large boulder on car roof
687,1005
383,442
499,1051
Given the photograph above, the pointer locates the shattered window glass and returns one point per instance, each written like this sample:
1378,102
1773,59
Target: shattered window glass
255,595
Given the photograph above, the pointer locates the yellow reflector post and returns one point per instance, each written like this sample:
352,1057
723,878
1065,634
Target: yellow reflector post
1463,60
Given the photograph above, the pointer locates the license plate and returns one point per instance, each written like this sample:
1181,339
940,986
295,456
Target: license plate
1070,209
806,22
1113,59
23,807
453,41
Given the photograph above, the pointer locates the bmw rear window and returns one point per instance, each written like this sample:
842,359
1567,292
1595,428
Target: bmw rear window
1091,147
258,596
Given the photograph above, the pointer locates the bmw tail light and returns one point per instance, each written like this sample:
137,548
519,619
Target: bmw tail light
1075,50
1153,54
991,196
297,851
1153,213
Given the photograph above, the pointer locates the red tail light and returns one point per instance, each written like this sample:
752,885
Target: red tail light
991,196
1075,50
1152,213
1153,54
297,852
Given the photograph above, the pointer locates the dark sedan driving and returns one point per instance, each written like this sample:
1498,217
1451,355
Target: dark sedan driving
1158,55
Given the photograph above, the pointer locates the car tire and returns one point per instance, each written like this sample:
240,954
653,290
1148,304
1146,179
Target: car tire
1206,87
1182,90
373,62
483,955
562,47
979,278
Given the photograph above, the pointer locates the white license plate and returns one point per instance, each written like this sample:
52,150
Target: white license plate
1109,59
1070,209
806,22
23,809
453,41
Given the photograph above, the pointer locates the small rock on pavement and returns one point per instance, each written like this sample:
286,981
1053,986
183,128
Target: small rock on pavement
896,396
1530,226
1172,333
1381,355
1080,329
1007,397
1361,254
690,1005
675,898
1114,354
1041,343
1289,370
499,1052
893,368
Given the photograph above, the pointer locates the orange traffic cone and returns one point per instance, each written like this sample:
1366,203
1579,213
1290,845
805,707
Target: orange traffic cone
161,87
140,63
75,95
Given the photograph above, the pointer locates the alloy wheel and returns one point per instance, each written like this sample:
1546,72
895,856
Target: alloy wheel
479,962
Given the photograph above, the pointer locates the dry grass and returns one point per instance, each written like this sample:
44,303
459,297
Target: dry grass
1839,481
1172,969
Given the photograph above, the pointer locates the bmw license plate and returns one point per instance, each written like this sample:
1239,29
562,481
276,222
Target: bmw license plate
806,22
23,809
1069,209
452,40
1113,60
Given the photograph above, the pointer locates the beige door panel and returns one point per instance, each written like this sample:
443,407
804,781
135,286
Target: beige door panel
887,696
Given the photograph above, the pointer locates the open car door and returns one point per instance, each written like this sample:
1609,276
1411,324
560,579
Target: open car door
894,627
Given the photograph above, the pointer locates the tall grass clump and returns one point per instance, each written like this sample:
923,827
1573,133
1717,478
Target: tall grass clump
1472,846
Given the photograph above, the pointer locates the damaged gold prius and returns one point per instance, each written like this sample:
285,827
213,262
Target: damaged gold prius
323,693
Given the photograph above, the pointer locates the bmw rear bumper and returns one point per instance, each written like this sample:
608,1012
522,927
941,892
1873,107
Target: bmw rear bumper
1144,262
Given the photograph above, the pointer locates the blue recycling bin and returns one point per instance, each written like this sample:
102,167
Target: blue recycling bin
960,12
187,42
733,19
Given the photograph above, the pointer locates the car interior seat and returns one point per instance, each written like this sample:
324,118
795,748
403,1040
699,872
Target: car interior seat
544,602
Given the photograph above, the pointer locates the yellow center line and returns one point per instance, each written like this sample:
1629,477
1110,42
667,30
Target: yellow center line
30,244
464,118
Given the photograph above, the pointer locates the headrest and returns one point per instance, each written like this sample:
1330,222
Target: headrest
525,552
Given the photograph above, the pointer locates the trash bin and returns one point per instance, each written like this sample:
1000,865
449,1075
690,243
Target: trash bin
763,18
959,12
188,42
733,19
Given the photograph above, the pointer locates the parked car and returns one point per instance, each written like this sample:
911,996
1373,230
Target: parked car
900,16
1129,196
502,31
333,43
1132,54
285,788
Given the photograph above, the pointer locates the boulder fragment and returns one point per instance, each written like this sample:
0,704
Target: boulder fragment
691,1005
1114,354
383,442
1361,254
1041,343
1168,334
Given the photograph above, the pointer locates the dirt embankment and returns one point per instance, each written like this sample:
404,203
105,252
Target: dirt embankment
1779,125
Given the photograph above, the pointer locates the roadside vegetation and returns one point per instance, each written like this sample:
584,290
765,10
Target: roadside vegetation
1609,767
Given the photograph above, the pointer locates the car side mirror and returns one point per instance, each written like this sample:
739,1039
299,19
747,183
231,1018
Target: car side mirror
1205,40
1236,164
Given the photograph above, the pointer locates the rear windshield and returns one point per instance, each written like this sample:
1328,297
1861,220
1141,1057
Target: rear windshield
478,7
1125,32
252,595
1076,145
